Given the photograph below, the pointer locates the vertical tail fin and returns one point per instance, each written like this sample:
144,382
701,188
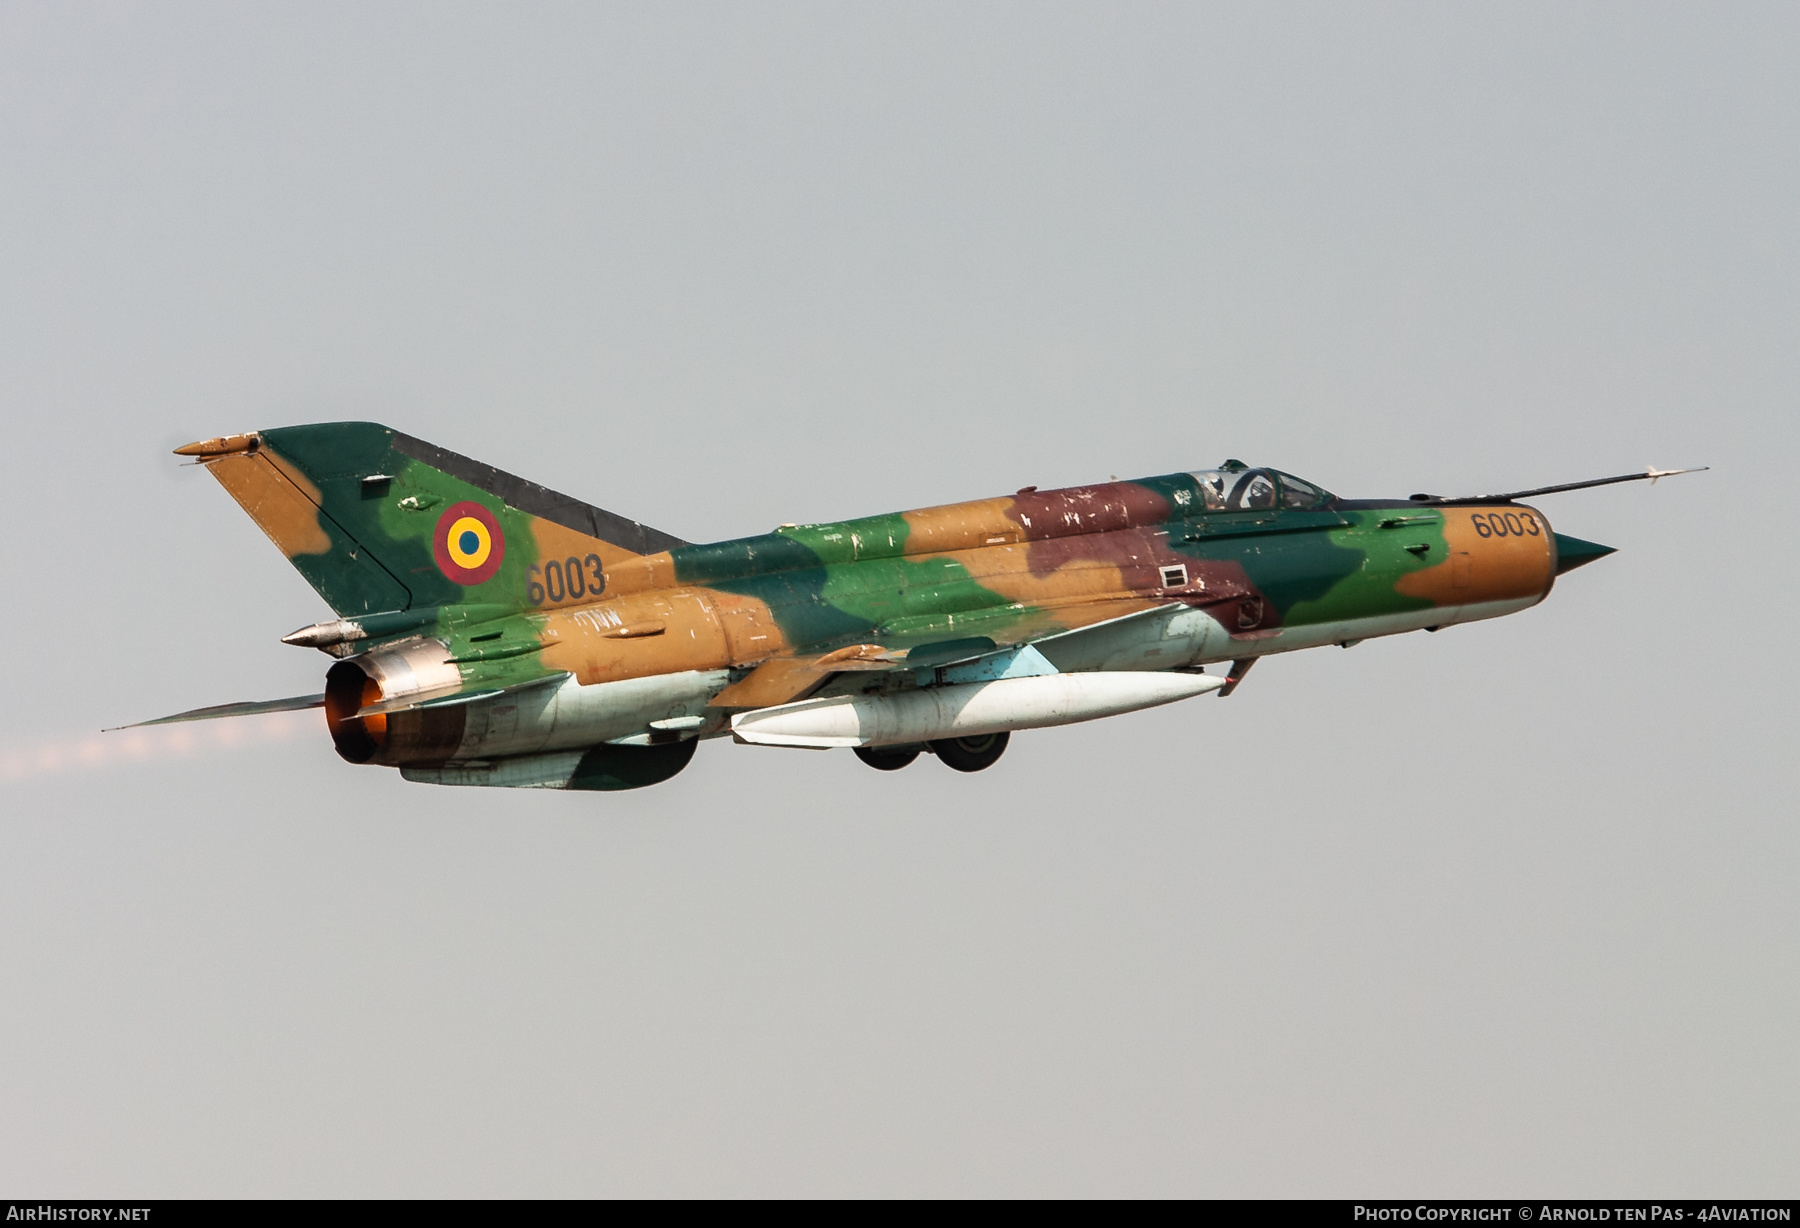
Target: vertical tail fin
377,520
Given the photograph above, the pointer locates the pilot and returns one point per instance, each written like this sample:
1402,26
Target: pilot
1255,489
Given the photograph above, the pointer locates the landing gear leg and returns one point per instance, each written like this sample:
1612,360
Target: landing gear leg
886,758
971,754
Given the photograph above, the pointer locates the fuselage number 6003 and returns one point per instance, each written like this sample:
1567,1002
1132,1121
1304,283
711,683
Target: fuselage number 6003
1506,524
562,579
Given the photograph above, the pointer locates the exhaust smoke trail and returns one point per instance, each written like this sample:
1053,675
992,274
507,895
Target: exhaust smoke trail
100,751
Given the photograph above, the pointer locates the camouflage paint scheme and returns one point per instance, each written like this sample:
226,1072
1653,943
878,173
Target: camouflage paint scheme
468,581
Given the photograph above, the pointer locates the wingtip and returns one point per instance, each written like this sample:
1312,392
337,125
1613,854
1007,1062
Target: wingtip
224,445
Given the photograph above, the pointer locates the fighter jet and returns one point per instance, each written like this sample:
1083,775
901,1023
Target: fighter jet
490,631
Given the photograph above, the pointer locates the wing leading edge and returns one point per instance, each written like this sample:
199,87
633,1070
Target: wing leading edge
258,707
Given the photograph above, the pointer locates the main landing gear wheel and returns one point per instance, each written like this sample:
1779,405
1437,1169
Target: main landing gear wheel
886,758
971,754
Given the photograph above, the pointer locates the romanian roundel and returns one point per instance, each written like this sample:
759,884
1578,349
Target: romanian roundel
468,543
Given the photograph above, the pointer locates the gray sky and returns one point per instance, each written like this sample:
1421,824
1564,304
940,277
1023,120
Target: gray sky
1508,909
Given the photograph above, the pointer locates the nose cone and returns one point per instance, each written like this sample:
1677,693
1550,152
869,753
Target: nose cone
1572,552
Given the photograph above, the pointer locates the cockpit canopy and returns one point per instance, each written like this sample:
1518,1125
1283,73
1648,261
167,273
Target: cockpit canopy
1234,486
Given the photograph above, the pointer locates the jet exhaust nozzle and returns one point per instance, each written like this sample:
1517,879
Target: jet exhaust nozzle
965,710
